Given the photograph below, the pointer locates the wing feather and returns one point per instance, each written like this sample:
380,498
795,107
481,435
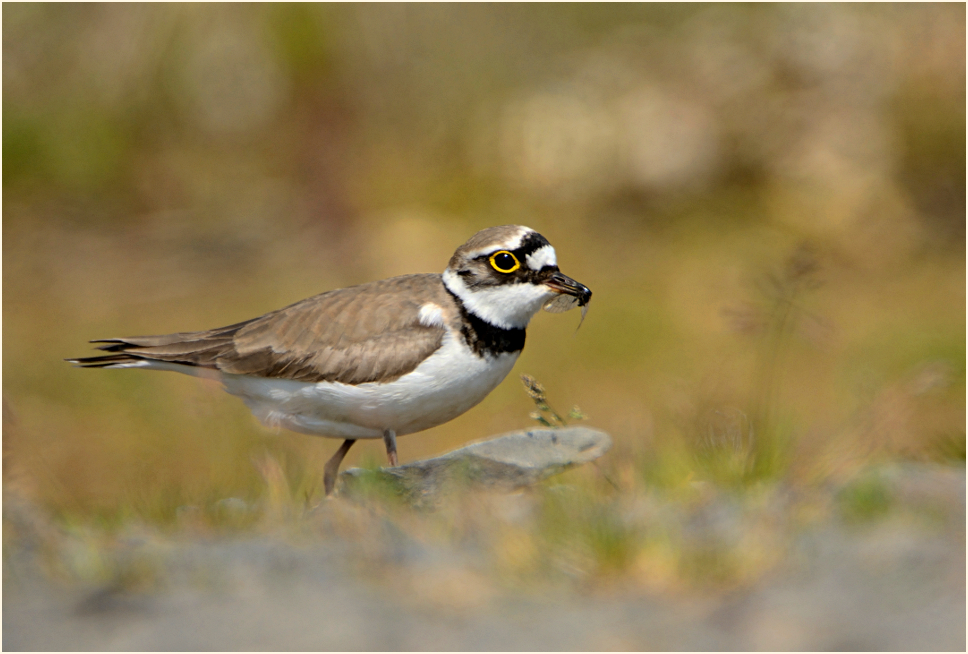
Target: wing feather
366,333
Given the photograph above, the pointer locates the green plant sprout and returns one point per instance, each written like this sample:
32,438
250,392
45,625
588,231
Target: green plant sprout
545,414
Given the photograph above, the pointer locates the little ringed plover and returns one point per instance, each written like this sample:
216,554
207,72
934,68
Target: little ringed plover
378,360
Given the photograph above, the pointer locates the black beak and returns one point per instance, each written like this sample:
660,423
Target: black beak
567,286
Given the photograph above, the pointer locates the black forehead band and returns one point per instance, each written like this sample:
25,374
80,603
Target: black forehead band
531,243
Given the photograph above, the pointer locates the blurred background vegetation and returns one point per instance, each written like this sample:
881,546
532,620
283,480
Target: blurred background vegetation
768,202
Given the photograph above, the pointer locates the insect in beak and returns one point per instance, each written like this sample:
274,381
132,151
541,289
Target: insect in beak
570,295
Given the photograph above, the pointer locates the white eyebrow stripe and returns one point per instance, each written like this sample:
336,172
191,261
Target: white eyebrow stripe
431,315
516,242
513,244
543,256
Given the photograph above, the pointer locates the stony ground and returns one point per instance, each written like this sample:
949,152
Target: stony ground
350,577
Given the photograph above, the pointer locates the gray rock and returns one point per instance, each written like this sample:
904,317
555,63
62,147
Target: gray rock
505,463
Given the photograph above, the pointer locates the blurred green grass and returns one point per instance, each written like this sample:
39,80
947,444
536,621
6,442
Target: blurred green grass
172,168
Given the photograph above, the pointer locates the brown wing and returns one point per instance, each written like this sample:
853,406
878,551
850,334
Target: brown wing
366,333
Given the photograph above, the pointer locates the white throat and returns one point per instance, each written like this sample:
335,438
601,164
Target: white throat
508,307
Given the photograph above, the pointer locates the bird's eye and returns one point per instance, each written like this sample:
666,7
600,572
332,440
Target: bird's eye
504,262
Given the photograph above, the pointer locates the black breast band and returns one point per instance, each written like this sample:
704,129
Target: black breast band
483,337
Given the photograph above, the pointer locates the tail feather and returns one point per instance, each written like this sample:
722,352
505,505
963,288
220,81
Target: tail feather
103,361
200,349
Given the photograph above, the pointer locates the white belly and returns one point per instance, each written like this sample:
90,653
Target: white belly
451,381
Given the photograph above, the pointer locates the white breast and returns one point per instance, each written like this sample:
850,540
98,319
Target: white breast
448,383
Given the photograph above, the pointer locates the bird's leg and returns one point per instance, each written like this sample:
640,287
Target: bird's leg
390,440
332,466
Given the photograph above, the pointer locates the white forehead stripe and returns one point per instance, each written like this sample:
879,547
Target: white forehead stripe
431,315
544,256
513,243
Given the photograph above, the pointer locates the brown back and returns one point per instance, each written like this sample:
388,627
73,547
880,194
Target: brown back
365,333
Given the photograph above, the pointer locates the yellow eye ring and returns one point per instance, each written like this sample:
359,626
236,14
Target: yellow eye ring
499,261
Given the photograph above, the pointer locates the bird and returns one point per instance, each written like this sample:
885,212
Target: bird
381,359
